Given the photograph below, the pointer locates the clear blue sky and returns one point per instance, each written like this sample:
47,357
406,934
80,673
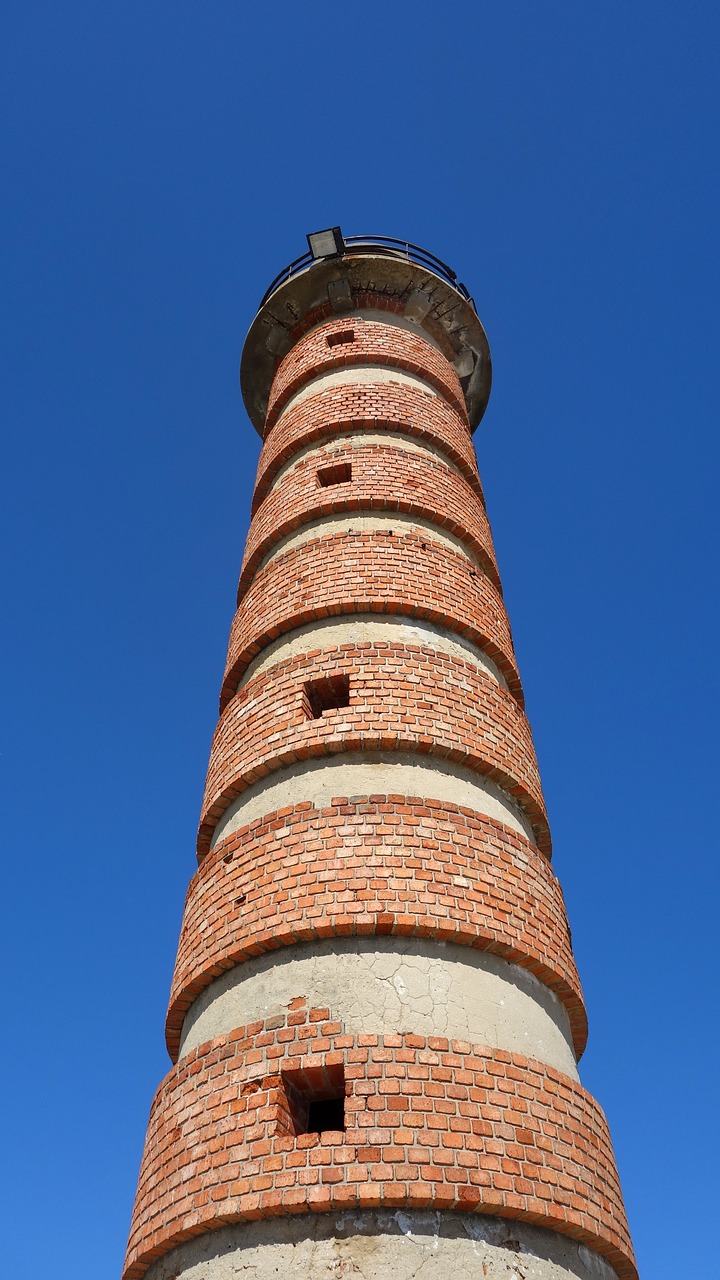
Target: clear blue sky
161,162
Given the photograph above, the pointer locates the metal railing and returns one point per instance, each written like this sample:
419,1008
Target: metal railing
386,245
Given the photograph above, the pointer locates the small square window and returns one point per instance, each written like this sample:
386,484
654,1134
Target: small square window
313,1101
341,337
325,694
340,473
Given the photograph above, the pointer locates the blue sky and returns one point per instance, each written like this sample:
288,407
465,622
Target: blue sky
161,163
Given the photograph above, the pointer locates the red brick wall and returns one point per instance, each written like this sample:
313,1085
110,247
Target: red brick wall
375,343
384,479
398,865
430,1124
403,698
371,300
372,572
361,408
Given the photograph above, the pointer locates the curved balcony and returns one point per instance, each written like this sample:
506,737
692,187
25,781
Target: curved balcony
386,245
332,276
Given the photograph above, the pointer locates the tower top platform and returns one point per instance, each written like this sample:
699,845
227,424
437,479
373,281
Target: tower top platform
340,275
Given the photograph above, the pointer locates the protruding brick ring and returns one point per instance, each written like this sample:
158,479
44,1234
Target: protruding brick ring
371,572
429,1124
372,342
387,865
387,406
400,699
370,478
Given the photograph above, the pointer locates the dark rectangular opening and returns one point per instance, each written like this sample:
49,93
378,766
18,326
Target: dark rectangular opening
313,1101
325,694
339,473
326,1113
342,336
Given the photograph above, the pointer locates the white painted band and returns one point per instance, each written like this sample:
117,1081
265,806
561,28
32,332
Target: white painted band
369,628
387,986
371,773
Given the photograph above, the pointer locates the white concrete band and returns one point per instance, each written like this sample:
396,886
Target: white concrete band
358,440
366,1245
386,986
364,628
371,773
361,522
358,374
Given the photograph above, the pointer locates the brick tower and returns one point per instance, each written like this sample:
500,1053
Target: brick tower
375,1016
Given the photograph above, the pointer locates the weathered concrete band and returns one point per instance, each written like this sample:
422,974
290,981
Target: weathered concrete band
374,865
386,985
402,1244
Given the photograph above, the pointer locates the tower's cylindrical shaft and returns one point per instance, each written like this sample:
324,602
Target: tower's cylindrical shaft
375,1015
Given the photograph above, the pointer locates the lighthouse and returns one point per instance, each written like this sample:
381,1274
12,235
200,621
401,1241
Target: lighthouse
375,1019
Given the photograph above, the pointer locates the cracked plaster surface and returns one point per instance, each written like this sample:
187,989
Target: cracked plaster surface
389,985
382,1246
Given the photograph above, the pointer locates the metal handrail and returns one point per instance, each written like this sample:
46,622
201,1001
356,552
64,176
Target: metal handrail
379,244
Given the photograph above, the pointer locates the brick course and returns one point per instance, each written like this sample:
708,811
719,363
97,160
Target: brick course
375,343
403,698
359,407
384,479
371,300
375,572
430,1124
400,865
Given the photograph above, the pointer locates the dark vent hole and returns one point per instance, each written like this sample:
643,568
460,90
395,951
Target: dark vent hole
325,694
341,337
313,1101
340,473
326,1113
